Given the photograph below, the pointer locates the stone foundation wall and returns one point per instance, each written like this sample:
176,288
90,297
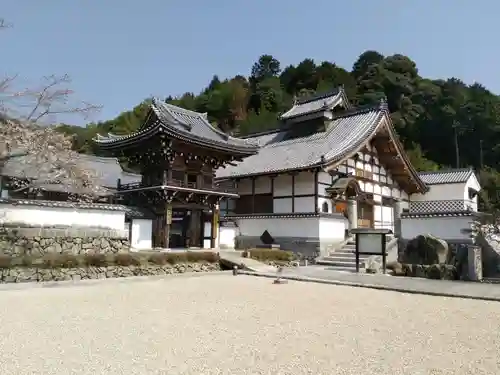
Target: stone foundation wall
19,241
32,274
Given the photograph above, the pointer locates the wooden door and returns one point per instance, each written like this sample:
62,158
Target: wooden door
365,215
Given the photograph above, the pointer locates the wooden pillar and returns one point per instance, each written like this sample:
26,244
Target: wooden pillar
168,222
293,192
215,225
316,193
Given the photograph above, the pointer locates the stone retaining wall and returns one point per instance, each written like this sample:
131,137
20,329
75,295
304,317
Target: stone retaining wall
19,241
31,274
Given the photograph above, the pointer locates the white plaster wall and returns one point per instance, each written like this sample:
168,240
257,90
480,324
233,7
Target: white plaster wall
141,234
332,229
448,228
226,237
442,192
63,216
304,204
307,227
472,183
283,185
324,178
304,183
207,232
282,205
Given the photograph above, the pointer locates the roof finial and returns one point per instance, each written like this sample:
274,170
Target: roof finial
295,99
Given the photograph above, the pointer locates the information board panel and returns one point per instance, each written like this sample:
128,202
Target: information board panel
370,243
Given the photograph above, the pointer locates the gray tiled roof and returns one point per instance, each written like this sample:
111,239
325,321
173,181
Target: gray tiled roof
448,176
316,103
108,170
344,135
185,124
83,205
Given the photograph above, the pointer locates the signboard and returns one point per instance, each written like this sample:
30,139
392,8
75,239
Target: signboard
169,215
370,243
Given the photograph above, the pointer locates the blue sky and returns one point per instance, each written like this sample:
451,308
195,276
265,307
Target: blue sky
120,51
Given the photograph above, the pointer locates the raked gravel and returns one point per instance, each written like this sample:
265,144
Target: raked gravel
222,324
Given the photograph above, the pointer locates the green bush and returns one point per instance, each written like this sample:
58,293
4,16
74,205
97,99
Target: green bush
159,259
269,255
96,260
126,259
6,261
102,260
57,261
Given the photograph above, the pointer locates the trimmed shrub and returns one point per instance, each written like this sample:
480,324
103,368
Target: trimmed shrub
56,260
95,260
158,258
202,256
269,255
6,261
59,261
126,259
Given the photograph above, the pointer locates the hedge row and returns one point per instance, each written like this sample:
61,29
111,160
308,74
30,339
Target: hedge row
269,255
106,260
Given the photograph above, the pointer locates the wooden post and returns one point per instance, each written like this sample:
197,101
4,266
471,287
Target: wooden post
384,253
316,192
168,222
293,191
357,252
215,226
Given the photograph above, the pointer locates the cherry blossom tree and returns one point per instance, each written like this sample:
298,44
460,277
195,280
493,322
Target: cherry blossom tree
28,133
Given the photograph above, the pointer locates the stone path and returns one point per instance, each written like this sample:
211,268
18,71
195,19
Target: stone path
462,289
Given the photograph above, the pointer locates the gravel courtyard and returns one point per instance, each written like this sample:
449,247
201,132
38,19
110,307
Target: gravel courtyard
222,324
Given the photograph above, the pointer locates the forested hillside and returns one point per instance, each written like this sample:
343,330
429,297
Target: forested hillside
442,123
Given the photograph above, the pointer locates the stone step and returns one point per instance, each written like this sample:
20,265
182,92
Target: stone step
347,253
345,265
340,268
340,258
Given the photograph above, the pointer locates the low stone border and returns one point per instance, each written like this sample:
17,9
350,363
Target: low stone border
370,286
95,282
33,274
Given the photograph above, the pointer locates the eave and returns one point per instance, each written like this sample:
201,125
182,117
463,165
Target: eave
159,128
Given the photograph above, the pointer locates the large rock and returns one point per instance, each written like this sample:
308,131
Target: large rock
490,245
373,264
426,249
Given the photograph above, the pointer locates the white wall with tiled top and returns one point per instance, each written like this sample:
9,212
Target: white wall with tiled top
32,215
448,228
